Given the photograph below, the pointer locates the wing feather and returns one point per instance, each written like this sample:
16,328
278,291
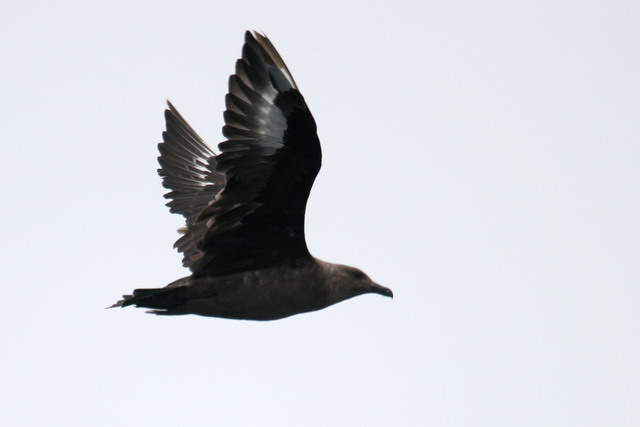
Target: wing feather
245,207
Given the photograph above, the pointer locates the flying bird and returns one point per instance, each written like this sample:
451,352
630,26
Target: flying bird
244,208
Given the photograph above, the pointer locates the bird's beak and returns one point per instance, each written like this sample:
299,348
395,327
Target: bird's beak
382,290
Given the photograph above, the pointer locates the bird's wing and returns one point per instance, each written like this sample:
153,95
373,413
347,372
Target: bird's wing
187,167
269,163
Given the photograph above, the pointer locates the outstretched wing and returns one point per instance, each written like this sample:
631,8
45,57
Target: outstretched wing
269,163
187,168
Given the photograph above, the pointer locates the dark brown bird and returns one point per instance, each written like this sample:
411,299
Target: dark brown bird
244,208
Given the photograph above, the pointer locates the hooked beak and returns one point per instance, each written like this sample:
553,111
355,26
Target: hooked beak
382,290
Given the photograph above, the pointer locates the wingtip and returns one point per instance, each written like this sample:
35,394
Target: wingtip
270,54
255,34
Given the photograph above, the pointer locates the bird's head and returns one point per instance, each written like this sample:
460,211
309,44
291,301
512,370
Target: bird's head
349,282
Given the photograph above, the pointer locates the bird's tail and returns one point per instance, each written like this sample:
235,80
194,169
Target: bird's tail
160,299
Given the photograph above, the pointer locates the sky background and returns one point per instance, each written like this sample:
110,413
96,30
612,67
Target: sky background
481,158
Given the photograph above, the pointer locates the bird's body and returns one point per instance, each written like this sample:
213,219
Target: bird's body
264,294
244,208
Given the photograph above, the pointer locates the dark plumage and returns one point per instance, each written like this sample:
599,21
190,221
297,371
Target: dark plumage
244,208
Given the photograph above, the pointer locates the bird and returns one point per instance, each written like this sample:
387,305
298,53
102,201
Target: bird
244,208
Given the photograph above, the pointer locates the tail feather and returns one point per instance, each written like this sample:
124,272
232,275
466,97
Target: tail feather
165,298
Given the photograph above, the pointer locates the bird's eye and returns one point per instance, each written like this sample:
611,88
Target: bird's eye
358,275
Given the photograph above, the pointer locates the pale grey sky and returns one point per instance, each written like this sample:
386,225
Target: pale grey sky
480,158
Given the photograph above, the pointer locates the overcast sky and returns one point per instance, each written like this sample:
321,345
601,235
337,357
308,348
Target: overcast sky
481,159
